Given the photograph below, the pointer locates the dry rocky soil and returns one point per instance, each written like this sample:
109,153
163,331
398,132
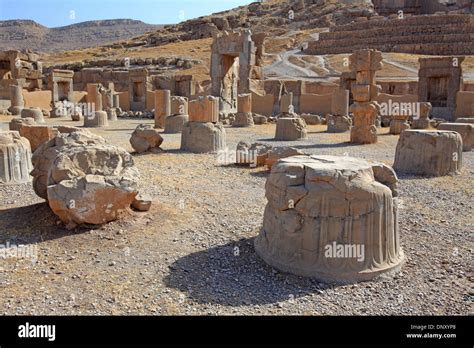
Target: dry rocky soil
192,253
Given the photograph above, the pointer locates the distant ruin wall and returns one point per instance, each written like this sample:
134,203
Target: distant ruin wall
449,34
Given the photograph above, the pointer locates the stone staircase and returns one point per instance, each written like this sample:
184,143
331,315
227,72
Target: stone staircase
446,34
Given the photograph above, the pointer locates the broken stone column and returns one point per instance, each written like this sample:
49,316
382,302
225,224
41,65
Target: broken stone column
17,101
290,129
286,104
340,102
162,107
365,63
398,124
203,137
98,119
34,113
94,96
37,134
331,218
179,115
84,179
116,100
430,153
244,117
204,109
423,121
15,158
466,130
112,114
338,123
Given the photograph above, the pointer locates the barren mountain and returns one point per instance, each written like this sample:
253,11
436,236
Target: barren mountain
27,34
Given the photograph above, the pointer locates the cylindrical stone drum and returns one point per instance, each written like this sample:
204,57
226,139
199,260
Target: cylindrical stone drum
331,218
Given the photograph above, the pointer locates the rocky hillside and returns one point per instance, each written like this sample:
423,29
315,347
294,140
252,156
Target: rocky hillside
271,16
27,34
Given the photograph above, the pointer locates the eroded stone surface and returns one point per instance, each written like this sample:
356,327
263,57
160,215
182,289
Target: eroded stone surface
317,204
426,152
85,180
145,138
203,137
290,128
15,158
466,130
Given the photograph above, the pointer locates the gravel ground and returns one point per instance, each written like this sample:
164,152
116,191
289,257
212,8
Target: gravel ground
192,253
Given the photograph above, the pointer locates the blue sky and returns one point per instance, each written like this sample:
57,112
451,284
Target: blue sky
54,13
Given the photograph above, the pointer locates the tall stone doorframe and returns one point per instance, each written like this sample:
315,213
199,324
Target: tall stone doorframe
138,86
61,85
234,63
439,80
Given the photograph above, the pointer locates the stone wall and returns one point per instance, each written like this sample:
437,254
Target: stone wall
443,34
315,104
464,105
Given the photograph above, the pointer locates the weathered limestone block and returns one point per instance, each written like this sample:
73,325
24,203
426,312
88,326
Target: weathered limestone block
244,103
426,152
255,154
338,124
37,134
311,119
290,128
142,202
466,130
15,158
203,137
260,119
340,102
91,184
34,113
280,152
179,106
323,219
145,138
98,119
16,123
465,120
243,119
17,101
162,107
286,104
204,109
112,114
175,123
423,121
399,124
43,158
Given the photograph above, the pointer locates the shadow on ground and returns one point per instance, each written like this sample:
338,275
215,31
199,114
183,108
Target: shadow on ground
233,275
33,224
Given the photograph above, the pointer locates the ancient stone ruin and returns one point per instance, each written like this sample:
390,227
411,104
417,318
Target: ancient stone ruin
203,133
15,158
84,179
145,138
290,129
439,81
179,115
429,152
320,204
364,64
234,63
